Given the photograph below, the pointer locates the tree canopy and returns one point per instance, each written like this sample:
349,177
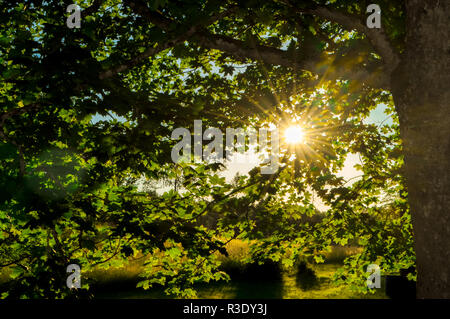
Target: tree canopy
69,182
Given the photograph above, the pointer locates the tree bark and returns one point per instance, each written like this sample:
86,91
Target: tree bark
421,90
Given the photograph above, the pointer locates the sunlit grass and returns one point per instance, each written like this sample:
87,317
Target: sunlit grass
120,282
238,253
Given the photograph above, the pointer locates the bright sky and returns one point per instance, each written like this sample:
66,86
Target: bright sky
240,166
243,163
349,172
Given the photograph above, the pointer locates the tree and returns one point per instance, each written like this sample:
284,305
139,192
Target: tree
162,64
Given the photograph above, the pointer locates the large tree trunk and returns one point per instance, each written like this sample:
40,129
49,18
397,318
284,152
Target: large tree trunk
421,90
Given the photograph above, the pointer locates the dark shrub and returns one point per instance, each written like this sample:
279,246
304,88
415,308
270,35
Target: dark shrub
399,287
306,277
234,268
268,270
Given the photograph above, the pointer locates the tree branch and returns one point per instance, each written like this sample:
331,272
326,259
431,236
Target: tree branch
164,24
141,57
241,50
17,111
3,118
320,65
92,8
377,37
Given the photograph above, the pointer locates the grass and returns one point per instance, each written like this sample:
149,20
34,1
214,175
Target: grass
249,279
116,278
338,253
306,277
323,287
286,288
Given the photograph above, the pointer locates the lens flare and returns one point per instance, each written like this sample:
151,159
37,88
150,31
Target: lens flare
294,135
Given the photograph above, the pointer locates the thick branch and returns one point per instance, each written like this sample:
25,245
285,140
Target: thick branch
377,37
323,66
320,65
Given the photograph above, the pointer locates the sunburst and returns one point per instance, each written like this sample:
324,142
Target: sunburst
294,134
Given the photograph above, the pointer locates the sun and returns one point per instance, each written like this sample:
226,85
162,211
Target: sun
294,134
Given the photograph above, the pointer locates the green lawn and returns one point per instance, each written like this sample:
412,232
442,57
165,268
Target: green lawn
121,282
286,288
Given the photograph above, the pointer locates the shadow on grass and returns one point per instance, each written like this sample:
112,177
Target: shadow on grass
306,278
257,280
